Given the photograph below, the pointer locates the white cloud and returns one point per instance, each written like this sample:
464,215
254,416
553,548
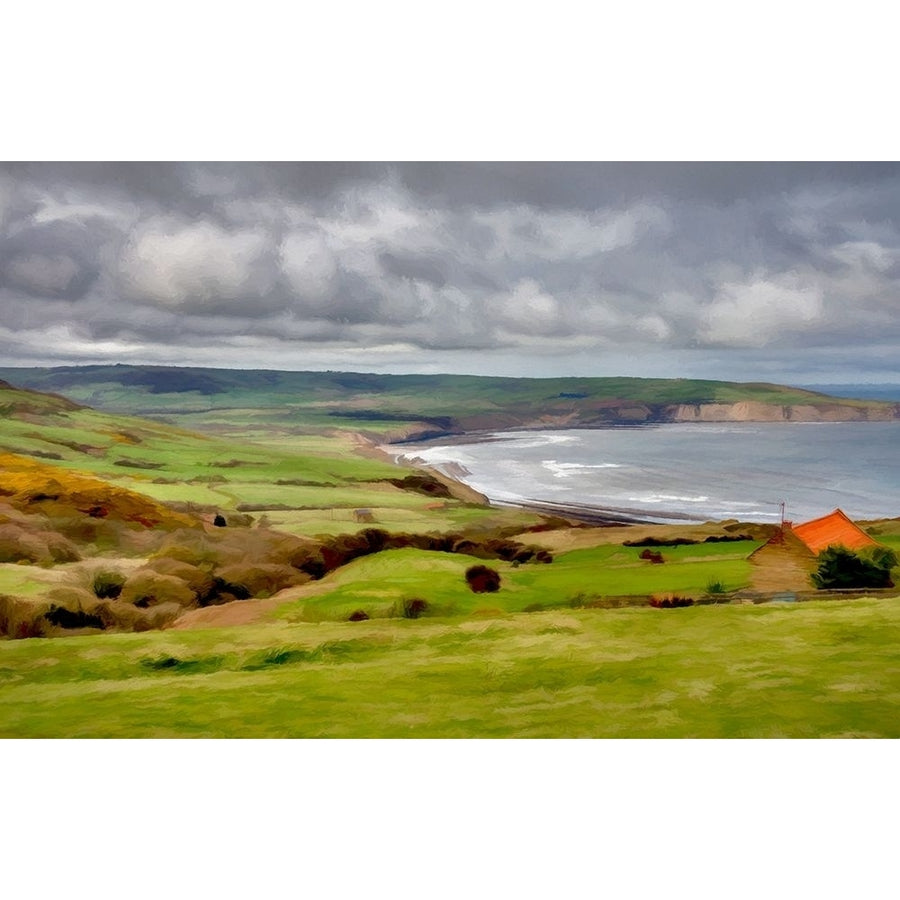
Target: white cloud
66,340
78,209
654,327
380,215
196,265
528,309
754,313
866,253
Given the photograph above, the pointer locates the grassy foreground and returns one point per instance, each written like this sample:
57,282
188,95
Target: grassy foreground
821,669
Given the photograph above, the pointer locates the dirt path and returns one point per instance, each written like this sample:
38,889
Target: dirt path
247,612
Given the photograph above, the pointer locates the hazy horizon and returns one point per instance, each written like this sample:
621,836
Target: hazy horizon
362,371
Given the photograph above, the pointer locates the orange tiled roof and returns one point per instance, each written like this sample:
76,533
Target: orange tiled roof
835,528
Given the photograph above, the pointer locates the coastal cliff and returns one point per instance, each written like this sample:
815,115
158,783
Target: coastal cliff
753,411
630,413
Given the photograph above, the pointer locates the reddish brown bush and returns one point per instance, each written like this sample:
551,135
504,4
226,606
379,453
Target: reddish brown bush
483,580
671,602
652,556
414,607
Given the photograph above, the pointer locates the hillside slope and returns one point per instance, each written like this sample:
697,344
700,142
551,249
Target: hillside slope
418,406
305,483
110,522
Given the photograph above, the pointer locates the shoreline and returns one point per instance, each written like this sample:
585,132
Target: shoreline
450,474
453,475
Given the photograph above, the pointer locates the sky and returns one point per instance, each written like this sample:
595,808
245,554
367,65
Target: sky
785,272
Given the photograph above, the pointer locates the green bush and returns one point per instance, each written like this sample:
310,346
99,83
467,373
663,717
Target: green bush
842,568
108,585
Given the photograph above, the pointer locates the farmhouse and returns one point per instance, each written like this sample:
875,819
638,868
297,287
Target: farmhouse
786,561
835,529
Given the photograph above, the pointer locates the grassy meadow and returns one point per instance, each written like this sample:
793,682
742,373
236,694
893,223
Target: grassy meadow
819,669
380,585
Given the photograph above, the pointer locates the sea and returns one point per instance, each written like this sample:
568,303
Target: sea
684,472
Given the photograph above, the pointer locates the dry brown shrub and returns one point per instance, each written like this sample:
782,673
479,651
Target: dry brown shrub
120,616
147,588
61,549
92,534
19,545
157,616
272,547
114,615
192,547
261,579
219,547
72,598
20,618
198,579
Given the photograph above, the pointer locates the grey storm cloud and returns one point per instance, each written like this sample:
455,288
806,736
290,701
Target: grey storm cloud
663,268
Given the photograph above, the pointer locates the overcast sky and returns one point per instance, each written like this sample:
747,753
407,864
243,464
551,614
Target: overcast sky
780,272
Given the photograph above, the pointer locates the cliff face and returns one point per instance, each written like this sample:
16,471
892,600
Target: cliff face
630,413
750,411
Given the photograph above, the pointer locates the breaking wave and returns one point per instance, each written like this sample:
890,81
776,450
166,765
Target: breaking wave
567,470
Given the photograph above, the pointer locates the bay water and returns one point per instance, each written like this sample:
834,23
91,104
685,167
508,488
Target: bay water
677,472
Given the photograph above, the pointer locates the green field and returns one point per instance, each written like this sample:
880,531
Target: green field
380,584
821,669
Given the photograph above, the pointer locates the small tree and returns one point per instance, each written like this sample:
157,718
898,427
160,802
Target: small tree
842,568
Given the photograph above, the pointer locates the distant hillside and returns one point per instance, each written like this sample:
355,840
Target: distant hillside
417,406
